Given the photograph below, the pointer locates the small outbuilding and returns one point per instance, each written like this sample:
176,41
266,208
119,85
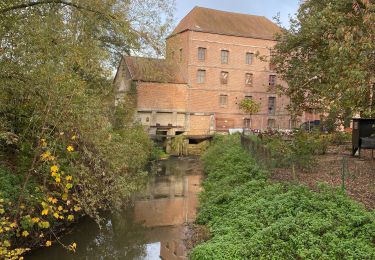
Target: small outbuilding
363,136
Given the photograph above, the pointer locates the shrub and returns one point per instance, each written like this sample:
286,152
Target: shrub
251,218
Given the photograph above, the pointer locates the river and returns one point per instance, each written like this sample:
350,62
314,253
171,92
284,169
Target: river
152,227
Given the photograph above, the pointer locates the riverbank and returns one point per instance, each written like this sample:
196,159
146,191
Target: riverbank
248,216
153,224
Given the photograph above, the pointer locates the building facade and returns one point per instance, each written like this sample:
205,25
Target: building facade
214,60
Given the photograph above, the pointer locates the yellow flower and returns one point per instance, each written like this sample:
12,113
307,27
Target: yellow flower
73,247
6,243
54,168
77,208
54,201
70,217
70,148
13,225
58,179
44,156
60,208
43,143
25,233
45,212
64,196
35,220
48,243
74,137
68,178
56,215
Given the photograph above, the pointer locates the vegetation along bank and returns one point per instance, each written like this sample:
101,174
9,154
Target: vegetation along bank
250,218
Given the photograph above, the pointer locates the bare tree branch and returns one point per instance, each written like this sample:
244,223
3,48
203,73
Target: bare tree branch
43,2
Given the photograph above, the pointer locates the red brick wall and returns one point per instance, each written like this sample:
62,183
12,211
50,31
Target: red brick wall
205,97
161,96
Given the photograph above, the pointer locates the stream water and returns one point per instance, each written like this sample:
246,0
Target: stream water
153,227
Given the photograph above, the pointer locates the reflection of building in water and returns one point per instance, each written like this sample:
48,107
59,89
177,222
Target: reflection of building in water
170,201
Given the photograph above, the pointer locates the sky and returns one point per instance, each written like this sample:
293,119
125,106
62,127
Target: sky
267,8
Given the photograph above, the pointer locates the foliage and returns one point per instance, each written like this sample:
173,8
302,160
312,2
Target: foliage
340,138
296,150
157,153
251,218
57,109
178,145
249,106
327,58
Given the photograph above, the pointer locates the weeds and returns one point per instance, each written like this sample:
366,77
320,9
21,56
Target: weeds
251,218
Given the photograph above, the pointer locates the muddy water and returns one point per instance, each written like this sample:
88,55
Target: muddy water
151,228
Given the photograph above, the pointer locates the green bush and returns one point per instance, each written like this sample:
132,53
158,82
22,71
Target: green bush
340,138
251,218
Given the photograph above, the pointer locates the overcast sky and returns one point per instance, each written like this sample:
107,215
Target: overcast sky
267,8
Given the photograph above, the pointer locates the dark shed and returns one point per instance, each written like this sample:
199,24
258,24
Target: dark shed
363,134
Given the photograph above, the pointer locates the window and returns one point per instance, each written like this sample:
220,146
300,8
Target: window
249,97
201,53
249,79
247,123
180,55
249,58
271,105
224,77
293,123
223,100
224,57
272,80
201,76
271,123
272,55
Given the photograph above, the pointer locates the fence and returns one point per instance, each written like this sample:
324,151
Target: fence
348,168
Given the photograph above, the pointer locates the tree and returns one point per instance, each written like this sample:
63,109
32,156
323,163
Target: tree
249,106
57,102
327,57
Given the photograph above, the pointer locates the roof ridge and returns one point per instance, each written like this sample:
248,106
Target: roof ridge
208,20
229,12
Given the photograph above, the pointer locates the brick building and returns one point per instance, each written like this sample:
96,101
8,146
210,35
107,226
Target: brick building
214,60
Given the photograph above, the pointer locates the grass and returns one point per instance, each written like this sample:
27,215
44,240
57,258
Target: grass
250,218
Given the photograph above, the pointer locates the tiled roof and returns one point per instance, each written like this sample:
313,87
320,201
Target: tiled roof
153,70
220,22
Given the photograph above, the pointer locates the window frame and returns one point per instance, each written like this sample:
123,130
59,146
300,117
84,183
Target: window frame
272,80
273,104
251,55
251,79
202,50
223,80
222,104
224,56
201,79
273,123
180,54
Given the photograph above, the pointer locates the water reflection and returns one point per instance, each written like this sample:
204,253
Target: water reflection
151,228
